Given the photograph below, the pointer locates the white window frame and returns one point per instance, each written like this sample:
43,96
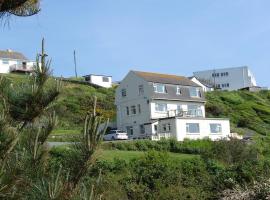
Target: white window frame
178,90
158,106
188,128
195,110
218,128
157,86
197,90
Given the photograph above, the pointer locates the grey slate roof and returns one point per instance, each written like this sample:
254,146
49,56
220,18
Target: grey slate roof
184,96
165,78
171,81
12,55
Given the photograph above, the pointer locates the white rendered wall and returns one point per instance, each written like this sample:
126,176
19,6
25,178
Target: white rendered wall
239,77
131,83
98,80
5,68
204,129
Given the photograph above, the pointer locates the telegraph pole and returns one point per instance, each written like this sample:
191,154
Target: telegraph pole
75,63
215,87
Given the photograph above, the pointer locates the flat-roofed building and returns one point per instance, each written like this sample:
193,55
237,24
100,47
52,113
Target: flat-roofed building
233,78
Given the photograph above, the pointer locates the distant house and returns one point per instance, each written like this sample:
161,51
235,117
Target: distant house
254,88
11,61
228,78
101,80
153,105
206,85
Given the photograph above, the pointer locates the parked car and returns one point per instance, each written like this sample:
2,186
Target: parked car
116,135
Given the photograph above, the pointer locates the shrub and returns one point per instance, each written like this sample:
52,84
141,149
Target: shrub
170,145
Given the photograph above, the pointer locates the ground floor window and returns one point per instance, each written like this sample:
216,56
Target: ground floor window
192,127
215,128
142,129
129,130
164,127
155,128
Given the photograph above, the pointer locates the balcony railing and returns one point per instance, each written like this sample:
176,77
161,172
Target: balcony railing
158,136
189,113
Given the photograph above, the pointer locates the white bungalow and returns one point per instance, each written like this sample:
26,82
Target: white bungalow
100,80
11,61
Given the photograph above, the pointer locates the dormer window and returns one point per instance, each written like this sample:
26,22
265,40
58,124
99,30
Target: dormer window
159,88
178,90
194,92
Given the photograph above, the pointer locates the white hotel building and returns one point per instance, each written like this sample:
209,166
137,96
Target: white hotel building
152,105
228,78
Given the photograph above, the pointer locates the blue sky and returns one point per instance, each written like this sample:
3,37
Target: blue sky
169,36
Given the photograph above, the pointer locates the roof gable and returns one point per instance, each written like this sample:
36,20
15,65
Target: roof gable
203,82
165,78
12,55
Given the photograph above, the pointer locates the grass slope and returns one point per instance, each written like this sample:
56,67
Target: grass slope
74,102
246,110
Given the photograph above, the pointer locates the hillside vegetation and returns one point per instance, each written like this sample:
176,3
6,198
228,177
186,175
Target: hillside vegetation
248,111
74,101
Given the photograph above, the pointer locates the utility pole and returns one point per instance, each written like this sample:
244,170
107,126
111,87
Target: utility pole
215,87
75,63
43,54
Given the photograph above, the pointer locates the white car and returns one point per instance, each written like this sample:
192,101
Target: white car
116,135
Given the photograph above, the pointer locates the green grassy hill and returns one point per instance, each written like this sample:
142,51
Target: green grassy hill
74,102
246,110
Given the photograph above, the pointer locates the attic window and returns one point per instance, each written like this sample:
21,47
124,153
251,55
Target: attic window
159,88
194,92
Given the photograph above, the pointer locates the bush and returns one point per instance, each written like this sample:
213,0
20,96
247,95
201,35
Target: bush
170,145
231,152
